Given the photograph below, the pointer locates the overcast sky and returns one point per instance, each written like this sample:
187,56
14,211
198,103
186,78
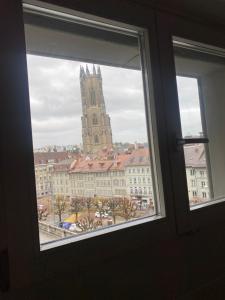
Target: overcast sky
56,102
189,106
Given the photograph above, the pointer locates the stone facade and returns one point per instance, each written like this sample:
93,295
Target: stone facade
96,127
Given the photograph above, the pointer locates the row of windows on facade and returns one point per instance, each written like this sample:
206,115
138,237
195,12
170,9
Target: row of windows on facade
100,174
140,191
193,172
194,194
203,184
139,180
138,170
115,181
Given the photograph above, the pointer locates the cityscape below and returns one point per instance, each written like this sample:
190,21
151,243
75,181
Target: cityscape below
101,183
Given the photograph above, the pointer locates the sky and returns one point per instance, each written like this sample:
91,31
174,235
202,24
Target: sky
188,95
56,110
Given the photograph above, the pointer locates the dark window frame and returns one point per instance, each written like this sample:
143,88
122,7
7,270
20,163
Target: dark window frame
189,220
30,259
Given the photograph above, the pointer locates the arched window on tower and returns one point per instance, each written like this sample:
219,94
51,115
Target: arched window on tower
96,139
94,119
93,98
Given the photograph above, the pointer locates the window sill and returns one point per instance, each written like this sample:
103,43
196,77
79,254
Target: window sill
85,236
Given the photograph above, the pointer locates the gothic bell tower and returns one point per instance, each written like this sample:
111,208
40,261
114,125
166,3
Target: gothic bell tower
96,127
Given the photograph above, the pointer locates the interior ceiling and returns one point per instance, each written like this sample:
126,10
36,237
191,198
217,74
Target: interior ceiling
72,41
210,9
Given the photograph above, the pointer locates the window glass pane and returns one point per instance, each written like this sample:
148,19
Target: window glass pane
200,81
189,106
89,128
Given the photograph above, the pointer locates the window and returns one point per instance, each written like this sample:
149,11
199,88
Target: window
109,53
202,173
95,119
192,172
201,119
96,139
200,76
92,95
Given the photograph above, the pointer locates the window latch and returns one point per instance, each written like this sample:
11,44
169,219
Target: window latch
185,141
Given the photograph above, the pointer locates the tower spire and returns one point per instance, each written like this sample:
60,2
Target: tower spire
94,71
99,71
82,73
87,70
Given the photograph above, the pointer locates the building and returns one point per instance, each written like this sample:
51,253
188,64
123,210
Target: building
118,175
138,175
44,168
96,127
61,184
196,173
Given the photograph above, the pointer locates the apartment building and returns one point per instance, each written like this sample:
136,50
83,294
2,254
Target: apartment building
44,163
138,174
196,173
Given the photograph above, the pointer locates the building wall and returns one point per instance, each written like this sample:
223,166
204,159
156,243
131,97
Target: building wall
139,181
43,173
61,184
197,183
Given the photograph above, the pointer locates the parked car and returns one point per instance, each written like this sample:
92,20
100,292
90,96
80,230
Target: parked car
103,214
73,227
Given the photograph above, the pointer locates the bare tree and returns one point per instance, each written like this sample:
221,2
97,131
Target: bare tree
42,213
88,224
114,206
101,205
88,204
59,206
127,209
77,205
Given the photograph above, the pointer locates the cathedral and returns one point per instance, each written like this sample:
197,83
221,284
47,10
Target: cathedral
96,127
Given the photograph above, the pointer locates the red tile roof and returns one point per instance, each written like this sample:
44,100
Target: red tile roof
117,163
90,166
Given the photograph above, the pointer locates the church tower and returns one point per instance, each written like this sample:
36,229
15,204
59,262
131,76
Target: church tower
96,127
